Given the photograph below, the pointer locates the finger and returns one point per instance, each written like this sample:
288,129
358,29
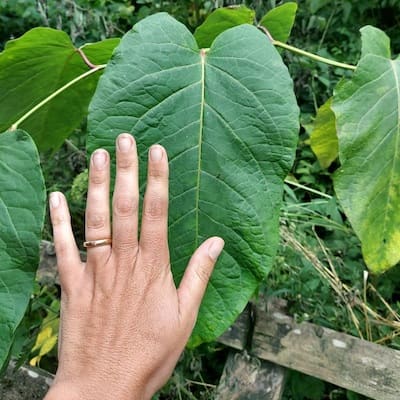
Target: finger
68,258
97,206
126,197
153,233
194,282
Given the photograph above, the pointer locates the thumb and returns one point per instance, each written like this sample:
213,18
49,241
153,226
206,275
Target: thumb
194,282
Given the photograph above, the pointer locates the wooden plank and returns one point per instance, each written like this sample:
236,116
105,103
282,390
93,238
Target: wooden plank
341,359
237,335
248,378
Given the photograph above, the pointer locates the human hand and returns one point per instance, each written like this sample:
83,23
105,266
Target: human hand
124,323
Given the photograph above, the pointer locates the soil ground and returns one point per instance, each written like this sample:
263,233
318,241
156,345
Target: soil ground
24,384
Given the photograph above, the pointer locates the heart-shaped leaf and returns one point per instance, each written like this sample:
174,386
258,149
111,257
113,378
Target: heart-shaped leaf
22,206
367,110
229,121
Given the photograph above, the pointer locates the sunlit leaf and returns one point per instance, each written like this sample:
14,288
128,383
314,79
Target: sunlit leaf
323,139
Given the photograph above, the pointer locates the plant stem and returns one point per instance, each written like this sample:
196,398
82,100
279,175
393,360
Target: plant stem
54,94
74,148
85,59
313,56
308,189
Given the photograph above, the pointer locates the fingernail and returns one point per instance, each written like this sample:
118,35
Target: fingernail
215,248
99,159
124,143
156,153
54,200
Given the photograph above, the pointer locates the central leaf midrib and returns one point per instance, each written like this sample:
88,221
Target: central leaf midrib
200,143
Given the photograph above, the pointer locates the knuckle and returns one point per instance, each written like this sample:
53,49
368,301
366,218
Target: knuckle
203,273
124,163
125,206
58,220
155,209
127,247
97,179
95,220
158,173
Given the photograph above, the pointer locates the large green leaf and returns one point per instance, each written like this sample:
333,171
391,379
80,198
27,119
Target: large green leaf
36,65
229,120
279,21
367,110
374,41
219,21
323,138
22,206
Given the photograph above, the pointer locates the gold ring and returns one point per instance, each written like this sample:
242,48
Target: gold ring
96,243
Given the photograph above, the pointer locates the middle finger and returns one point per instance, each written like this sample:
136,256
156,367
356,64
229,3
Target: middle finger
126,197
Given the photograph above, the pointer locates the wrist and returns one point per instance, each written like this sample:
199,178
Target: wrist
59,391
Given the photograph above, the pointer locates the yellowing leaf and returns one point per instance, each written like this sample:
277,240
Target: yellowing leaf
323,139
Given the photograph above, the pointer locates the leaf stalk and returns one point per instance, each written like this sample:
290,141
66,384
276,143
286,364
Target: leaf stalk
15,125
313,56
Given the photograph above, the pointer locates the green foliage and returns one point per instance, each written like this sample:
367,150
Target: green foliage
323,137
79,186
219,21
52,63
83,20
326,28
229,128
305,387
22,205
279,21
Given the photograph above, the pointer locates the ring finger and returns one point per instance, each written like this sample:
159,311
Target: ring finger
97,206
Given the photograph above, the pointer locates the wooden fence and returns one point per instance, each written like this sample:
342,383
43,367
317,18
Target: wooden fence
265,342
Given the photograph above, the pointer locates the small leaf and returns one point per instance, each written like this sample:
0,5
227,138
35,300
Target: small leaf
22,207
219,21
323,138
367,110
374,41
229,121
279,21
36,65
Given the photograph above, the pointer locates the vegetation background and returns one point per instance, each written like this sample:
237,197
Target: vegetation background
312,222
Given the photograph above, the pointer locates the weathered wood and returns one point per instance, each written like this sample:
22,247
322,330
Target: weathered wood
237,335
341,359
248,378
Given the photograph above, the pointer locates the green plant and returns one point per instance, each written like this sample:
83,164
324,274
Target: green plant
236,117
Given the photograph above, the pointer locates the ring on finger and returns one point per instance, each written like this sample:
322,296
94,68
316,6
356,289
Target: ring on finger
96,243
